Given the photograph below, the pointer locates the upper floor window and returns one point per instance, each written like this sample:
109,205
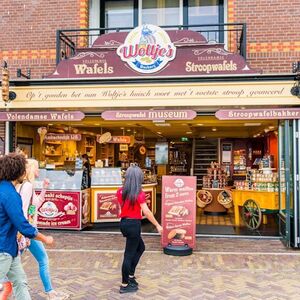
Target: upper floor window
161,12
202,12
131,13
119,14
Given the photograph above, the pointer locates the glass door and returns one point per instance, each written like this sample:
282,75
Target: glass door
289,194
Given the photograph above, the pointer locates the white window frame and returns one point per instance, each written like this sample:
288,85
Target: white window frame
140,5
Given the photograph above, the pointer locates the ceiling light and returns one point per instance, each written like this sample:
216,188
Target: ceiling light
162,124
50,124
122,128
158,132
184,124
189,132
271,127
199,124
128,130
203,137
252,124
214,129
97,124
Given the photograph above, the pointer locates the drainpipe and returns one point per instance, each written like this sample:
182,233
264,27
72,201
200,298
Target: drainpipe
6,138
193,157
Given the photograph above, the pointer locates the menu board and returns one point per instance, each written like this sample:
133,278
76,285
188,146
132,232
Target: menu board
60,210
106,176
107,206
179,210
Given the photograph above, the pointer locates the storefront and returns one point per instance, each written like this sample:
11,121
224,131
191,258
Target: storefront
175,105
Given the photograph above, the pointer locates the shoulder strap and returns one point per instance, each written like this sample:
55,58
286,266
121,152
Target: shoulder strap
31,198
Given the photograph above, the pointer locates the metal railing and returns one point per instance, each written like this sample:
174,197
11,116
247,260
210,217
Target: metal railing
233,35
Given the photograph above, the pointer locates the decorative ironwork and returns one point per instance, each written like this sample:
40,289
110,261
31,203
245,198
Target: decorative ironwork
70,41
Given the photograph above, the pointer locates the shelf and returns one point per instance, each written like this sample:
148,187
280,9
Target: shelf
264,181
53,143
53,154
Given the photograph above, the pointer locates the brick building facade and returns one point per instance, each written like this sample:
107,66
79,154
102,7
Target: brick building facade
28,35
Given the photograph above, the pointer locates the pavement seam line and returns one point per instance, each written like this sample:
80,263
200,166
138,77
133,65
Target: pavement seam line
196,253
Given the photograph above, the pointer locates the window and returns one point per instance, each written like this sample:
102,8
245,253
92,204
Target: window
161,12
206,12
119,14
131,13
94,20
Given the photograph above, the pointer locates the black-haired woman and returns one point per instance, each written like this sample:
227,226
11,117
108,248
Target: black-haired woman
132,201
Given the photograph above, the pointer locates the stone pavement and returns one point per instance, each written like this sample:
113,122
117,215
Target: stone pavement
87,265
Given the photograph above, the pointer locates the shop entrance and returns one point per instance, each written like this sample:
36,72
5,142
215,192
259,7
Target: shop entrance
289,161
234,161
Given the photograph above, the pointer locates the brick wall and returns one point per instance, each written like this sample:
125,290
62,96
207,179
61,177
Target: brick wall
28,31
273,32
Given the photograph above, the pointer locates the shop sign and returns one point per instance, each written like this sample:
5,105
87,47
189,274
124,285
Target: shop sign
114,139
63,137
179,210
123,147
258,114
147,49
156,115
41,116
61,209
107,206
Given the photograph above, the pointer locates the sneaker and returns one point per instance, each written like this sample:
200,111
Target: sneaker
54,295
129,288
133,280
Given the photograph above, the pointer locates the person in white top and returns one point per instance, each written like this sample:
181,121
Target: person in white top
31,204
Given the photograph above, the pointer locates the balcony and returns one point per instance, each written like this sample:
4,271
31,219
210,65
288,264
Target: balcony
232,35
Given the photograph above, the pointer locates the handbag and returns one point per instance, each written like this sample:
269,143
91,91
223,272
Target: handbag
24,242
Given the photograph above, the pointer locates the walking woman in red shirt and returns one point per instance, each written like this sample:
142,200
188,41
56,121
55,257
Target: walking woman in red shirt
132,202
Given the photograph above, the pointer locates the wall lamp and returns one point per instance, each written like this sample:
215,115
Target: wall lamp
27,75
295,90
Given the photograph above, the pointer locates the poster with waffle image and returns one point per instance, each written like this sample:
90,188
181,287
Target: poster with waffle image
108,206
179,210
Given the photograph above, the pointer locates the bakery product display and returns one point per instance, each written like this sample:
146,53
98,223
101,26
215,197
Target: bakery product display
177,233
106,205
178,211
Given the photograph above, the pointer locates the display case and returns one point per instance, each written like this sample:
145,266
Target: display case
105,183
66,206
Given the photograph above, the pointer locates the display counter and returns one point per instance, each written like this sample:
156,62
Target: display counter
105,183
66,206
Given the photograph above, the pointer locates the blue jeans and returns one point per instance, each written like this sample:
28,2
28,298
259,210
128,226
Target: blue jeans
39,253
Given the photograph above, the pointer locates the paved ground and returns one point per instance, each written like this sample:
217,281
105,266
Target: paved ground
87,265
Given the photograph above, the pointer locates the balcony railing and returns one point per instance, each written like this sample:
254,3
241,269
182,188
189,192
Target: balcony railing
233,35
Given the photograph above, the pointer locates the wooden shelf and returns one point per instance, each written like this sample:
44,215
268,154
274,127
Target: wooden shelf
53,143
53,154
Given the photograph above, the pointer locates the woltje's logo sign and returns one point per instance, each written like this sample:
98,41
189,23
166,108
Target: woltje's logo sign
147,49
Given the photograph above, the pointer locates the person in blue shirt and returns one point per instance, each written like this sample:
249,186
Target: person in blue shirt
12,220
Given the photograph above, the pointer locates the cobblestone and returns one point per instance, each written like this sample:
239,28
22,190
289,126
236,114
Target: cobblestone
87,265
